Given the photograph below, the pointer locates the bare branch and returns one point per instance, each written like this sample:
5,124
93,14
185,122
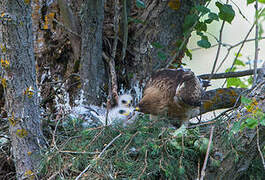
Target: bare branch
229,74
260,152
256,46
207,154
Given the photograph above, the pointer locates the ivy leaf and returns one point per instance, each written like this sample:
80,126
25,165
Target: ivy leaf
204,42
189,21
252,123
201,26
202,9
140,4
226,12
213,16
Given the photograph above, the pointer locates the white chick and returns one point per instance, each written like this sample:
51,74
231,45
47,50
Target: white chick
125,100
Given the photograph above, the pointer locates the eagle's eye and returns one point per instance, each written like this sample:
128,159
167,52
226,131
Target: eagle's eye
123,102
121,111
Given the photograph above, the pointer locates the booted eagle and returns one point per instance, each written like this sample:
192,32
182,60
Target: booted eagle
175,93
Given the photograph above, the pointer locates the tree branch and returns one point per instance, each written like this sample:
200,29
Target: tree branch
229,74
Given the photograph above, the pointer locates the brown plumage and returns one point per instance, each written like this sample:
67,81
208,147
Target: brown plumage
173,93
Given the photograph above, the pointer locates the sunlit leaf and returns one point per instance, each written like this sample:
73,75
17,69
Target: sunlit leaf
245,100
252,123
204,43
239,62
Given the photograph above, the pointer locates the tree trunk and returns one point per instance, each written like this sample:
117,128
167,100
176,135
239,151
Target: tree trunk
92,70
21,90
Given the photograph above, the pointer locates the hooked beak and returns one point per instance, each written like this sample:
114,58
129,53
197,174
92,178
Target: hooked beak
128,104
126,113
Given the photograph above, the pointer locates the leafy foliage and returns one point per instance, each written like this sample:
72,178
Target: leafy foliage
145,150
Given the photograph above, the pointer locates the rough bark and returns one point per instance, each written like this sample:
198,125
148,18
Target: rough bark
23,110
92,70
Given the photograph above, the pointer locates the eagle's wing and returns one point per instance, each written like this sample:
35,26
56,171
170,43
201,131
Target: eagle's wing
189,89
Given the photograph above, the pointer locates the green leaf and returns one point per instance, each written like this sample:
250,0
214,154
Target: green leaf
213,16
235,82
236,127
262,1
208,21
189,21
204,43
157,45
201,26
252,123
250,1
140,4
188,53
245,100
239,63
180,131
202,9
226,12
162,55
262,120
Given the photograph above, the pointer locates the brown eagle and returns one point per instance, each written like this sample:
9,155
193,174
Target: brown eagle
174,93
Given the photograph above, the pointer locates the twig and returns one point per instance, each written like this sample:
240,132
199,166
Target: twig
207,154
260,152
238,52
102,152
256,46
218,49
198,172
229,74
145,165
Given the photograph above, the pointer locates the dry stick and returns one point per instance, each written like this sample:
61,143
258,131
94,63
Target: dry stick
145,165
229,74
260,152
243,43
98,156
256,46
207,154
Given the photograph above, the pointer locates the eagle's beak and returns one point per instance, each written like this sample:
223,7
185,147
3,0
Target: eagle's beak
126,113
128,104
137,109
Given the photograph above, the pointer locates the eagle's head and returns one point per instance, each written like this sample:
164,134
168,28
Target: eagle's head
125,100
